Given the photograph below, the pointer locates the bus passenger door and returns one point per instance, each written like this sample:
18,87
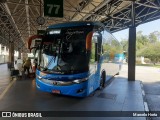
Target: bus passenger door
95,58
92,64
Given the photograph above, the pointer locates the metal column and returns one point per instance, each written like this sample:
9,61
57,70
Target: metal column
132,46
11,54
11,51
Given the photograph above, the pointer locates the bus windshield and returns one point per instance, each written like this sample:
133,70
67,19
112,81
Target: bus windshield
64,50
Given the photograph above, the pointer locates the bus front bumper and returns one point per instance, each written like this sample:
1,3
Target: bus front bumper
77,89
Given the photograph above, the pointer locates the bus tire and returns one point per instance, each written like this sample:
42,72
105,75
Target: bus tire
102,80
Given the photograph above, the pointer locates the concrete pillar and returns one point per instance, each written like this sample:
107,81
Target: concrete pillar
132,46
132,53
11,53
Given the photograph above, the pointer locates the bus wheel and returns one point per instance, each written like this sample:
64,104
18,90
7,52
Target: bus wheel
102,81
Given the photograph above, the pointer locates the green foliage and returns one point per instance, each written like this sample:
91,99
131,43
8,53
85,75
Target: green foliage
153,38
124,44
113,47
147,60
147,46
152,51
106,48
141,40
116,47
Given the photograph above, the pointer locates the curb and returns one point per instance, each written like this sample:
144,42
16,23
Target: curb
144,100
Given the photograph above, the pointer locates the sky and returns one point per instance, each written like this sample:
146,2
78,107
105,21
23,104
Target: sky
146,29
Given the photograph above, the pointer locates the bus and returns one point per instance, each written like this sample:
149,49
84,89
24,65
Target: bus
76,58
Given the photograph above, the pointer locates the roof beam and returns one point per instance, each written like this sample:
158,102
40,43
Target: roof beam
22,3
96,8
36,7
27,15
17,11
19,16
12,19
16,7
146,5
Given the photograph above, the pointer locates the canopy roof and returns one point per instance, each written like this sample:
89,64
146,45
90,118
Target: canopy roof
18,17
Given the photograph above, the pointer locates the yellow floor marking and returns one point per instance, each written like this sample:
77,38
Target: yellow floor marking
7,88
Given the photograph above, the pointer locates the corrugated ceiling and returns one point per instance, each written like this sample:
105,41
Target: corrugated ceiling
18,17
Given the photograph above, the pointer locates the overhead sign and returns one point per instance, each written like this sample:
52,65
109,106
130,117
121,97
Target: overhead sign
53,8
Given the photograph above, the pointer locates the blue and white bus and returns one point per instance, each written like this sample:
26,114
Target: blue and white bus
76,58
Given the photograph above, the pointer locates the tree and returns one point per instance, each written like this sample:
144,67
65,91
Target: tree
152,52
153,37
157,33
141,40
124,44
146,45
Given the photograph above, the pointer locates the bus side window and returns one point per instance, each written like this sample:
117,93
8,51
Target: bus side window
106,46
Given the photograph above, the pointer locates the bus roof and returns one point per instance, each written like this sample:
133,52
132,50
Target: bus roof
73,24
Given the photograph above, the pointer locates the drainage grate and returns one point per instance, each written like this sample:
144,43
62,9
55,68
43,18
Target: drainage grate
107,96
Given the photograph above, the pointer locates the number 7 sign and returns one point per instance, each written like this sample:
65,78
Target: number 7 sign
53,8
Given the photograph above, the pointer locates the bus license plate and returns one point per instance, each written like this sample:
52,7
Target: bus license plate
56,91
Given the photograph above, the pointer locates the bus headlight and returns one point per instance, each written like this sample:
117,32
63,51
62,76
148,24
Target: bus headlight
80,80
39,77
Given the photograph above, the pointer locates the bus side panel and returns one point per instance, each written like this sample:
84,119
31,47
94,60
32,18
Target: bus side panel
111,68
107,66
98,75
94,79
91,81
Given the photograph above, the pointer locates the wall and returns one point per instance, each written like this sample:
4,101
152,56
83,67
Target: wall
4,58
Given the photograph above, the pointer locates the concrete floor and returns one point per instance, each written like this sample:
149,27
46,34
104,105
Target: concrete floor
152,88
4,77
119,95
150,77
